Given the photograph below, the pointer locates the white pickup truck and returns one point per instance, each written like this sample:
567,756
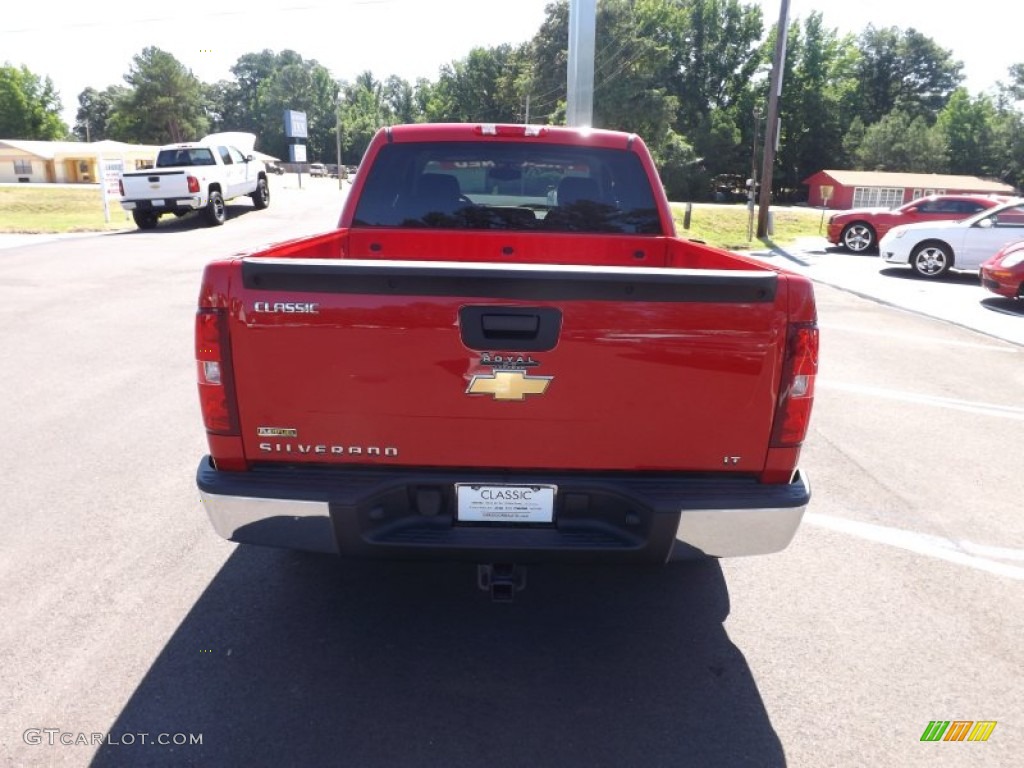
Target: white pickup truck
196,176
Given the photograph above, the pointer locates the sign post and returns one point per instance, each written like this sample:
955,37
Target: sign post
826,195
295,129
110,175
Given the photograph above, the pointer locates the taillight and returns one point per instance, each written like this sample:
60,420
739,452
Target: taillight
796,393
193,185
213,370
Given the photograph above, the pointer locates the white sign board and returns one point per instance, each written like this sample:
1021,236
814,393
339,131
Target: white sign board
110,177
110,172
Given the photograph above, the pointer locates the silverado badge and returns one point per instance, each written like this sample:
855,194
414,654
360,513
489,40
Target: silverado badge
508,384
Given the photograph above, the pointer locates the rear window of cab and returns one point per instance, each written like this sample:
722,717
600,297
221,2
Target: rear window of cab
508,186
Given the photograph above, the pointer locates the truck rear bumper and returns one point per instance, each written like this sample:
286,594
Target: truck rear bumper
611,517
165,205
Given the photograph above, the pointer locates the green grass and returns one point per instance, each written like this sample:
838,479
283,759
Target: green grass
726,226
39,209
45,209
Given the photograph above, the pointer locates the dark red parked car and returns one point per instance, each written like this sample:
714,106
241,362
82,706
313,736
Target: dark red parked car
860,229
1004,272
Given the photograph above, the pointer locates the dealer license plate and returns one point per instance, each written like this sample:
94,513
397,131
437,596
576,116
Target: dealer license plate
506,503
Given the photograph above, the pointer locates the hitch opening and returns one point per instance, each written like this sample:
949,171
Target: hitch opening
502,580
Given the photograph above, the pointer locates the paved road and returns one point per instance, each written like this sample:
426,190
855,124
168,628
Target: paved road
956,297
898,603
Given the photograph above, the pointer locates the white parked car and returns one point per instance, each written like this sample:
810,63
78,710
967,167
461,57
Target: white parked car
933,248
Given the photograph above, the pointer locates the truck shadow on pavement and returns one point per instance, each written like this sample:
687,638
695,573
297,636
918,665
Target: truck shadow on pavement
190,221
293,659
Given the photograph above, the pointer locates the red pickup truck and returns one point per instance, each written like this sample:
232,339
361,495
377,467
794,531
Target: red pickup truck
504,354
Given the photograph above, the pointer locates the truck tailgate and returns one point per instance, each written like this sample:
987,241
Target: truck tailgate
155,183
506,366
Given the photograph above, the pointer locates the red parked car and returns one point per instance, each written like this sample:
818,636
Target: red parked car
860,229
1004,272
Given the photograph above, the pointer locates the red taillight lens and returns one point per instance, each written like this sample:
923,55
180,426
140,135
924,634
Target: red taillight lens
796,394
213,370
193,185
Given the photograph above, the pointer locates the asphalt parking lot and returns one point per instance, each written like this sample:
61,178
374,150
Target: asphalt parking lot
957,297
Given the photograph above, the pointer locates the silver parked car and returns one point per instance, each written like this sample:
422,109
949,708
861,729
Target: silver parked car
933,248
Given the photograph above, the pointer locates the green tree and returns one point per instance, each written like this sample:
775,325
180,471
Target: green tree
1007,128
926,148
478,88
903,70
422,93
901,143
548,58
29,106
303,86
164,102
1014,90
225,109
676,162
853,139
251,71
655,59
639,76
95,109
400,98
363,111
966,124
818,82
633,71
719,51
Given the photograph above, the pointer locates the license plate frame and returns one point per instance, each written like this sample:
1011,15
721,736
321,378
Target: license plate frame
508,504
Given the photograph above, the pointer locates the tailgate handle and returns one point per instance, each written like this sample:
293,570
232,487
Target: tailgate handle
510,326
154,178
522,329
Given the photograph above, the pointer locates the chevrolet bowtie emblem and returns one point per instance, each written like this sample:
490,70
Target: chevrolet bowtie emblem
508,385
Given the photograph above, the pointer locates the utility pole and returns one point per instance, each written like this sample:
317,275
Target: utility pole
579,106
337,141
771,128
752,183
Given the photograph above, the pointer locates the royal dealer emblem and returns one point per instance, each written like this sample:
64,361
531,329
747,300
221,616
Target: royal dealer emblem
510,381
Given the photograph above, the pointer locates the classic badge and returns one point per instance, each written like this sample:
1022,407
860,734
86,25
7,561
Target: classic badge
277,432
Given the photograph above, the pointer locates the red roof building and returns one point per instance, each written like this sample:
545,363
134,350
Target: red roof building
840,190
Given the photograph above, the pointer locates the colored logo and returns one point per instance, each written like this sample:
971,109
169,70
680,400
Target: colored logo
958,730
508,385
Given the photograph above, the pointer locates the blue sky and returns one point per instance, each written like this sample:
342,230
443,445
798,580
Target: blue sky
79,44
